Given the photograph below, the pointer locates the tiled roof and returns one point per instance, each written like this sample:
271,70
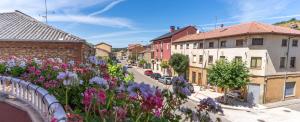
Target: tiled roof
18,26
104,44
240,29
169,34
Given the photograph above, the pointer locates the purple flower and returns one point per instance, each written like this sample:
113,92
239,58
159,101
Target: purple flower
100,81
121,88
146,90
133,90
69,78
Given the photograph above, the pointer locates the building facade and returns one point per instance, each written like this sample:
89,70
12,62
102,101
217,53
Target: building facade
103,50
270,53
146,55
22,35
161,47
134,50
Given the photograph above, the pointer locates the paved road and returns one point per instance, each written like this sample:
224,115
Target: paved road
190,104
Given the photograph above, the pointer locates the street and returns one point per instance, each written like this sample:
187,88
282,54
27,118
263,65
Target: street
139,77
278,114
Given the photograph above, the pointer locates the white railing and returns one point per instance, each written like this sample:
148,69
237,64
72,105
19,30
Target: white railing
34,95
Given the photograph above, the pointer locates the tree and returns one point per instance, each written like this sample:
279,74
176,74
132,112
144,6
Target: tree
228,75
164,65
179,63
142,62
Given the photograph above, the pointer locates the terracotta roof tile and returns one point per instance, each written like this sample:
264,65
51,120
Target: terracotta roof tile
240,29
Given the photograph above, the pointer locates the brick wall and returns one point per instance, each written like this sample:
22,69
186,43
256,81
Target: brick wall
64,50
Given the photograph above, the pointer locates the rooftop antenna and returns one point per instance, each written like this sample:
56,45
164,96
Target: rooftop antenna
46,17
216,22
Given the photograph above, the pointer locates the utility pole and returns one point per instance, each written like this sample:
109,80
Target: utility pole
46,17
216,22
286,65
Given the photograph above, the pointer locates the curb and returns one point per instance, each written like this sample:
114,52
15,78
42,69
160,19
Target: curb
227,107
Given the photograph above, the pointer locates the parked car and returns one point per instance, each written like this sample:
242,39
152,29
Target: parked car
155,76
148,72
129,66
191,87
165,80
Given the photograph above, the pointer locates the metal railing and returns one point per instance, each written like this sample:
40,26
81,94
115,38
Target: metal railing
34,95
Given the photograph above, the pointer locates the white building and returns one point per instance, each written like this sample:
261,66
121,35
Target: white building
269,51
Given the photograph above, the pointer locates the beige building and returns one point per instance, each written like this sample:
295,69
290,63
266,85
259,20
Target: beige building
269,51
103,50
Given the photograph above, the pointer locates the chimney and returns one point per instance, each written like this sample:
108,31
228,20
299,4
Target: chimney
222,25
172,29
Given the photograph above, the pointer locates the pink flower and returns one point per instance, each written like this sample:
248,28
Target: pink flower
157,113
64,66
121,113
53,119
88,96
37,72
101,97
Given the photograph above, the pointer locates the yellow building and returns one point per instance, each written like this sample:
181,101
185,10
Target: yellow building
270,53
103,50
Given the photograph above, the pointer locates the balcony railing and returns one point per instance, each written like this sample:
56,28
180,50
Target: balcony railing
34,95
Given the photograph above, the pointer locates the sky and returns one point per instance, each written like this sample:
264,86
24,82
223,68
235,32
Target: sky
122,22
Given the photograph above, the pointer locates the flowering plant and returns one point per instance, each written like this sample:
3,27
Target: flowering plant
101,91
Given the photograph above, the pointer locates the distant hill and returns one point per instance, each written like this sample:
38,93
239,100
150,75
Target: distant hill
292,23
118,49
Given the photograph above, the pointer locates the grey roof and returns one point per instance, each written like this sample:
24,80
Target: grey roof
169,34
18,26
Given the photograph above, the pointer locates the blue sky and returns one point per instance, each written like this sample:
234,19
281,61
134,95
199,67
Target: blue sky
120,22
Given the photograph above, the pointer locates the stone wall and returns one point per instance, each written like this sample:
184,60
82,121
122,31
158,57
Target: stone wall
64,50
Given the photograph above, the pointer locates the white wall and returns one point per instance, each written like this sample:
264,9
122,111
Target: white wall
270,52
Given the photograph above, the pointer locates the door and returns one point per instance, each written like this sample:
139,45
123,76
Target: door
193,77
199,79
253,93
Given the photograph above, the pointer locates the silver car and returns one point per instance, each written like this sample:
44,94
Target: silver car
165,80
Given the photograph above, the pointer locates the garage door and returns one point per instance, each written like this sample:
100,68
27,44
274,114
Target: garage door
253,93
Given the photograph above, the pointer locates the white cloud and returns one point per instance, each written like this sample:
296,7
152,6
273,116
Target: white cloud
248,10
125,33
68,11
83,19
108,7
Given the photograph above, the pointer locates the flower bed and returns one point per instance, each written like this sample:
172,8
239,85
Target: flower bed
104,91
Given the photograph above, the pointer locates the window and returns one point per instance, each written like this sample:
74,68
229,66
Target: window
187,46
176,47
258,41
282,62
195,46
284,42
181,46
295,43
200,45
238,58
289,89
223,43
222,57
239,43
194,58
211,44
200,59
293,62
256,62
210,59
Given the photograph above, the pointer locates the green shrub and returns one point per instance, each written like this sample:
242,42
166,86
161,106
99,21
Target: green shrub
2,68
